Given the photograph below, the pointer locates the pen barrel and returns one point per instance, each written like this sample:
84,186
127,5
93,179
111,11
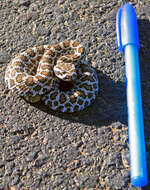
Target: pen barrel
135,118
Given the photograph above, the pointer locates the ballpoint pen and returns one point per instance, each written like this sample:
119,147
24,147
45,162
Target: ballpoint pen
128,43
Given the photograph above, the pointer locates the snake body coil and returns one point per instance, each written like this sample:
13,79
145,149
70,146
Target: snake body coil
58,75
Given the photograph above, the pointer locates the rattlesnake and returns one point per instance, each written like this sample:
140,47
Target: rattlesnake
58,75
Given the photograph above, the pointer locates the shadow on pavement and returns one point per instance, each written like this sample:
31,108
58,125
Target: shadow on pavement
144,32
110,105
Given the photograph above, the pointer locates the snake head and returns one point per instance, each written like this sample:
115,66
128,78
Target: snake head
65,68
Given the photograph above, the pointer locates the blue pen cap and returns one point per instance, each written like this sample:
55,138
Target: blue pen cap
127,27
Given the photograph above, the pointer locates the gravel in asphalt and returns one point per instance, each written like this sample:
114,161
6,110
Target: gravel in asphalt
44,150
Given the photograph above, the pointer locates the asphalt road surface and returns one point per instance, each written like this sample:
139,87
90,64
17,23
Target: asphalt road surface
44,150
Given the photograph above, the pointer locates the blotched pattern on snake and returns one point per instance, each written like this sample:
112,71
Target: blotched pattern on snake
59,75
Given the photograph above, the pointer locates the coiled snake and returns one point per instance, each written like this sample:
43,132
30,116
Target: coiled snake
58,75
